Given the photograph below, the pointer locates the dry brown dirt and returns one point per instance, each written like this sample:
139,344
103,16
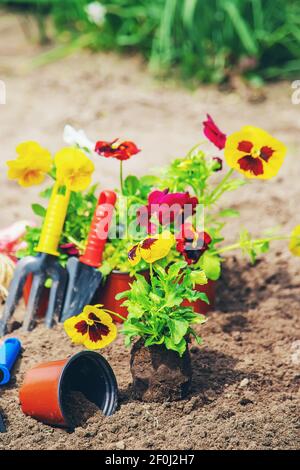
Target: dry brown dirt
245,392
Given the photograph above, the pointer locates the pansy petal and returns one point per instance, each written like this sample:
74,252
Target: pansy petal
252,165
134,255
72,329
31,165
156,247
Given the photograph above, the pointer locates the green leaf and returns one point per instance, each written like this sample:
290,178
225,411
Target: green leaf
156,298
122,295
153,340
202,296
38,210
234,184
173,299
198,277
229,213
180,347
46,193
178,329
175,269
211,265
135,309
241,26
131,185
149,180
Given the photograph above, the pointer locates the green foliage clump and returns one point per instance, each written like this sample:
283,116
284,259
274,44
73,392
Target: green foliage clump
155,311
204,40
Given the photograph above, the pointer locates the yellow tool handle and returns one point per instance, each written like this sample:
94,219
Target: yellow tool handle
54,222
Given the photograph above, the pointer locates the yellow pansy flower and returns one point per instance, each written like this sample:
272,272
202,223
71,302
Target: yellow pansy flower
294,245
152,248
31,165
73,169
254,153
94,327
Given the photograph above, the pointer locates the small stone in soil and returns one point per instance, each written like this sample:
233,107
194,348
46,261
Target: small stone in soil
244,382
245,401
78,409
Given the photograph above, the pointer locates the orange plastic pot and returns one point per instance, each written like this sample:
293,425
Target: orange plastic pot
115,283
44,297
42,395
202,307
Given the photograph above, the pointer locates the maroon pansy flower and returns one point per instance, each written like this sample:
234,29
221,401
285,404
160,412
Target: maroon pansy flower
192,243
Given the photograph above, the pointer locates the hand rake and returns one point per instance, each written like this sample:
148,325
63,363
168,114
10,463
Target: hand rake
43,266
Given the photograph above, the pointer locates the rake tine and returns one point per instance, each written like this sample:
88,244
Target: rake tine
57,294
14,294
34,299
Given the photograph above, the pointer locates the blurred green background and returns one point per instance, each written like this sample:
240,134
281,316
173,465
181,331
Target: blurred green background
200,40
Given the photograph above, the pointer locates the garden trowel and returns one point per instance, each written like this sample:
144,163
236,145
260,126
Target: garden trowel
43,266
84,276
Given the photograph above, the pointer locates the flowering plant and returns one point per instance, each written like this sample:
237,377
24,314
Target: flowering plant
251,152
156,314
192,180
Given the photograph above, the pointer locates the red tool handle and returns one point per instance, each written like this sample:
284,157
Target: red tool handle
99,229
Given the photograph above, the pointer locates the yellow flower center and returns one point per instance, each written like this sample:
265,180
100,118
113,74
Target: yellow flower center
90,322
255,153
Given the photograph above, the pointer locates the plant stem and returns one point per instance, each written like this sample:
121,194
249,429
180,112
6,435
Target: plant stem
121,177
151,271
236,246
71,239
190,152
115,314
214,193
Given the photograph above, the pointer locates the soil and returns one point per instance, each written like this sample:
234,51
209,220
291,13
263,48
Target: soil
246,376
159,375
78,410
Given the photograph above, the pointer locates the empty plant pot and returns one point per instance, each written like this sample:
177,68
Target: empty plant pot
46,387
115,283
202,307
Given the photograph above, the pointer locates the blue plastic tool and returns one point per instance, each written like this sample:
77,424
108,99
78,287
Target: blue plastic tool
2,424
9,352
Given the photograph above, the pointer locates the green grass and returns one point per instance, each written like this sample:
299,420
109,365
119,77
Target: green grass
203,40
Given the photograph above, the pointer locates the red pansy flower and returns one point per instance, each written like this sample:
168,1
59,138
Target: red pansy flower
116,149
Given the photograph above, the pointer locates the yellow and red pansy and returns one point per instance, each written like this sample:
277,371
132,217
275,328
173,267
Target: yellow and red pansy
151,249
254,153
94,327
